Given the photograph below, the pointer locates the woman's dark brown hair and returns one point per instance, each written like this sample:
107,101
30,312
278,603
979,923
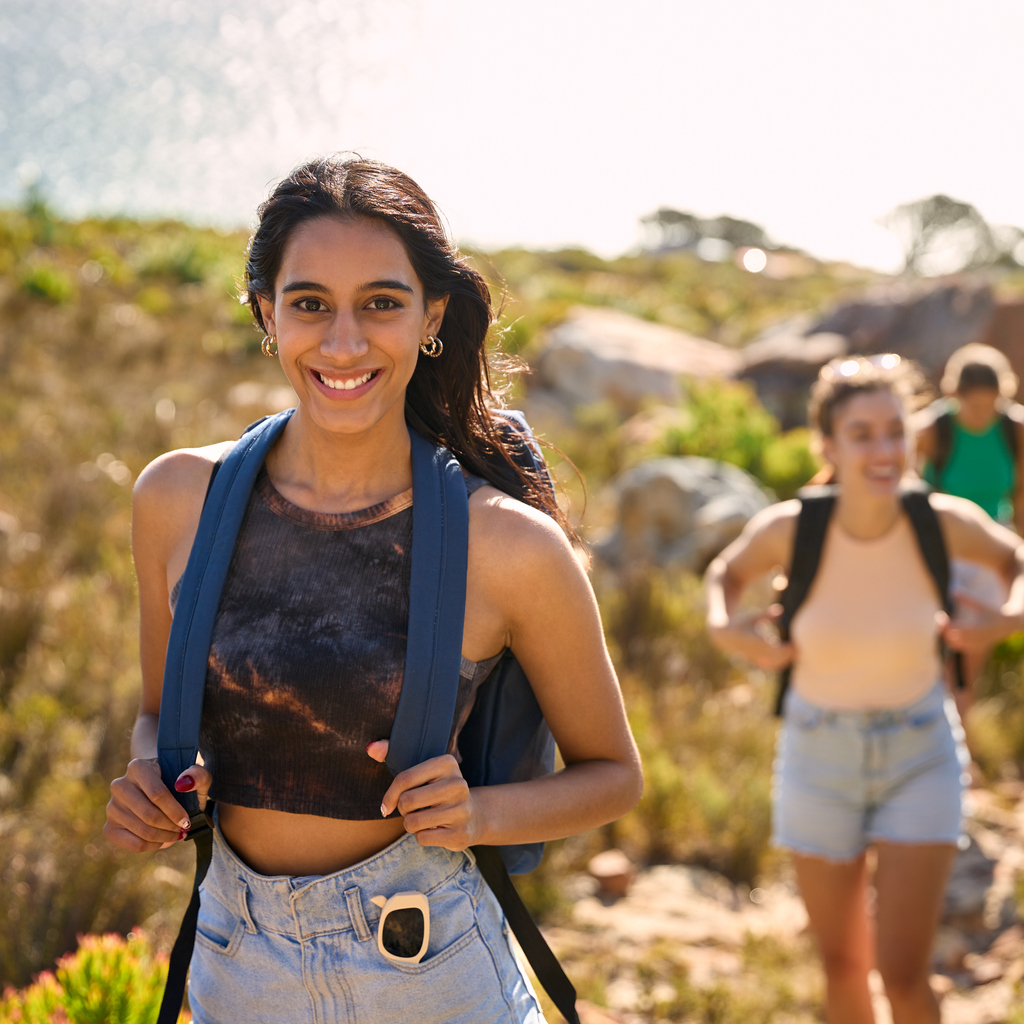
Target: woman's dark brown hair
449,399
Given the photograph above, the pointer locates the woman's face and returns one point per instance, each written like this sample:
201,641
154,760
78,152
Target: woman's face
868,445
349,315
977,407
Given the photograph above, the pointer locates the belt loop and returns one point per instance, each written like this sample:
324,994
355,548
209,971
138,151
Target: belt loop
243,903
355,912
471,856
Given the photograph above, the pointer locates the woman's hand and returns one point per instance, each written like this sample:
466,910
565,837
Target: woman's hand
752,636
143,814
976,627
434,800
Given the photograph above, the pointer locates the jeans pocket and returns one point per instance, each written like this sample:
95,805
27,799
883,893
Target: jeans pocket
218,928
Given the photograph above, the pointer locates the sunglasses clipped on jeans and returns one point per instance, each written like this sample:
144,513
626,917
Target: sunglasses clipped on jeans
404,927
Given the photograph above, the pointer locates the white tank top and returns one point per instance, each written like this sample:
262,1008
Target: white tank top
866,634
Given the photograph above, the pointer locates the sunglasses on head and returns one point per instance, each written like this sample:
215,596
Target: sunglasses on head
836,369
404,927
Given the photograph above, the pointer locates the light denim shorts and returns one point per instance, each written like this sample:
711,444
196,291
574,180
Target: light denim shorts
285,950
846,779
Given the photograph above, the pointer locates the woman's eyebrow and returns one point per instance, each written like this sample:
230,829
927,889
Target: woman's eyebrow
312,286
304,286
392,284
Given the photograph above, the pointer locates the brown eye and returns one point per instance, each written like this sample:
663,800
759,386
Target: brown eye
384,303
311,305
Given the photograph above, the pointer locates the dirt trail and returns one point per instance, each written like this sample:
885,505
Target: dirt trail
683,934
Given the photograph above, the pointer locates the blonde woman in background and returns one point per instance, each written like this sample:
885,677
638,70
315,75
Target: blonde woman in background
870,753
970,443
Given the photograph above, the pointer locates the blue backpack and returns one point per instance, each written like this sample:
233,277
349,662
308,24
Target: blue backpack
505,739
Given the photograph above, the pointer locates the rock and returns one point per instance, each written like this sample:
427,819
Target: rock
613,871
950,949
918,321
605,355
679,512
783,364
591,1014
973,873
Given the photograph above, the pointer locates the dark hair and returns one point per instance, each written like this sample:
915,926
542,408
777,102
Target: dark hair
843,379
449,399
977,367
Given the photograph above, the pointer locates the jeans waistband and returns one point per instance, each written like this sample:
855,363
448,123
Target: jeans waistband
922,710
304,906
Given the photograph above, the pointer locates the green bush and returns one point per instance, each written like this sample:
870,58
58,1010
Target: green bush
45,281
724,420
107,980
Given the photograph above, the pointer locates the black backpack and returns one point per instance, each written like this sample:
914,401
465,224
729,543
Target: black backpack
944,440
816,506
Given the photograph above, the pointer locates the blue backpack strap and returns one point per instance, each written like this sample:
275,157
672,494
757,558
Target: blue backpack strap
437,607
188,648
188,652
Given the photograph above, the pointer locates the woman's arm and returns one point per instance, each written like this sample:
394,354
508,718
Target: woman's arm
527,577
973,536
142,813
766,543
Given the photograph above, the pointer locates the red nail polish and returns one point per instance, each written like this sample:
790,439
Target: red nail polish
185,783
182,835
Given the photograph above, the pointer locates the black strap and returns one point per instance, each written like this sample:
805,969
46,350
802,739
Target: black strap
1009,425
544,963
928,531
816,506
181,954
943,444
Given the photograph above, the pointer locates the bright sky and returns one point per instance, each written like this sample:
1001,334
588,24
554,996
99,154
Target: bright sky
535,122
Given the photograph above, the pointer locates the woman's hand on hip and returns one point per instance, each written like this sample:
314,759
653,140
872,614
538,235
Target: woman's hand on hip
434,800
143,814
752,636
976,627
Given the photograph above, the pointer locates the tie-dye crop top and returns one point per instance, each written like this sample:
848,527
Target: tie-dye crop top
308,654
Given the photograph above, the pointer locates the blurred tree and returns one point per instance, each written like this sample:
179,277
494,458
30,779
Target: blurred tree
942,235
675,229
671,229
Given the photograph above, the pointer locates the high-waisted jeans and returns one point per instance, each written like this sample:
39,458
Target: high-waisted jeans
285,950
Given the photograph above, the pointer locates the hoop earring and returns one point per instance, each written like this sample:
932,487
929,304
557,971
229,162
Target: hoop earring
432,347
269,346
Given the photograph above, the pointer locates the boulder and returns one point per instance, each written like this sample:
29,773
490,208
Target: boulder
918,321
784,363
679,512
598,354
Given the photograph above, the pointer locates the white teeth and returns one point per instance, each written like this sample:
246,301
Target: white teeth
345,385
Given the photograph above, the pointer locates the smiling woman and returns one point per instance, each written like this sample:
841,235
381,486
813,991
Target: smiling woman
870,753
380,327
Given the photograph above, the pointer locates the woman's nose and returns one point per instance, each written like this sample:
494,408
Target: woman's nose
344,338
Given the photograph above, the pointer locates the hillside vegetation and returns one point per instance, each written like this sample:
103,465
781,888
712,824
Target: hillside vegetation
120,340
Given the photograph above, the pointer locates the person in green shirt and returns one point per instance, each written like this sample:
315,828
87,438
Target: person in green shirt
970,443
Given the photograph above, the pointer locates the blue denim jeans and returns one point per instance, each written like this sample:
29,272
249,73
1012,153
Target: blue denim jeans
304,949
846,779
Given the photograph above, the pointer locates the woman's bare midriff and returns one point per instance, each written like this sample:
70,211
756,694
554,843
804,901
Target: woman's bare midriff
278,843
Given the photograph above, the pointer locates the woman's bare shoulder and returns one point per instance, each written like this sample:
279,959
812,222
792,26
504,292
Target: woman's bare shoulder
776,522
511,528
179,473
168,498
